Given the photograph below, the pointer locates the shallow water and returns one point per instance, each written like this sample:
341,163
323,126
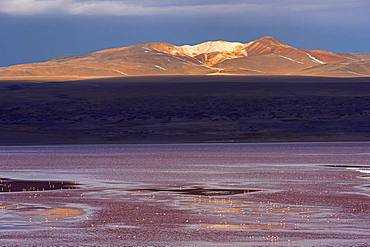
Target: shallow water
297,194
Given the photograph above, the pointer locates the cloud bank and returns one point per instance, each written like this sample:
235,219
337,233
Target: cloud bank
175,7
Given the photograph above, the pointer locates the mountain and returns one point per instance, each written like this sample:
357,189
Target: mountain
264,56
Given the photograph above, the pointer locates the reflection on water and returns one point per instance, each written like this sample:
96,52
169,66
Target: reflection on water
229,211
32,216
27,216
240,213
52,213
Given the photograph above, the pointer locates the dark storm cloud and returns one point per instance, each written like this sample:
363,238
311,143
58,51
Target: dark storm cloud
170,7
35,30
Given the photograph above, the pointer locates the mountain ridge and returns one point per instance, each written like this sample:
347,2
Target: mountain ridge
263,56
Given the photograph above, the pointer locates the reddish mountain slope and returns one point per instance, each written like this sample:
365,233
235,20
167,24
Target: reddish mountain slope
264,56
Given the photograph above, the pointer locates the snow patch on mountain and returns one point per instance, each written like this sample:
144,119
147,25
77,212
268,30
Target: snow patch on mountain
159,67
211,46
290,59
315,59
120,72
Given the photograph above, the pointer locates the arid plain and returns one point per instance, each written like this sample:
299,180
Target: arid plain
185,109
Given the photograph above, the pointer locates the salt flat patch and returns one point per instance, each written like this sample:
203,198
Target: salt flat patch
199,191
121,226
16,185
361,170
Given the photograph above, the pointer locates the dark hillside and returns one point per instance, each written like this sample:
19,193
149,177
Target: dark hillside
185,109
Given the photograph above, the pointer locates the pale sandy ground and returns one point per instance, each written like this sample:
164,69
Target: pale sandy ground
303,202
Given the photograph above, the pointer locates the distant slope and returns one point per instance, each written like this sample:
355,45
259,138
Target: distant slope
264,56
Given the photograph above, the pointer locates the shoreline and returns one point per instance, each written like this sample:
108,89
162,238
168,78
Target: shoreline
186,143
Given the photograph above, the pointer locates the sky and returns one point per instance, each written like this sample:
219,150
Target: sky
38,30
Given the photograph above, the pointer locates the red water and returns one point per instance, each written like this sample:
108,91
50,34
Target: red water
189,195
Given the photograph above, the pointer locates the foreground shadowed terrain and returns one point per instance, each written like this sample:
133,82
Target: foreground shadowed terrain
185,109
